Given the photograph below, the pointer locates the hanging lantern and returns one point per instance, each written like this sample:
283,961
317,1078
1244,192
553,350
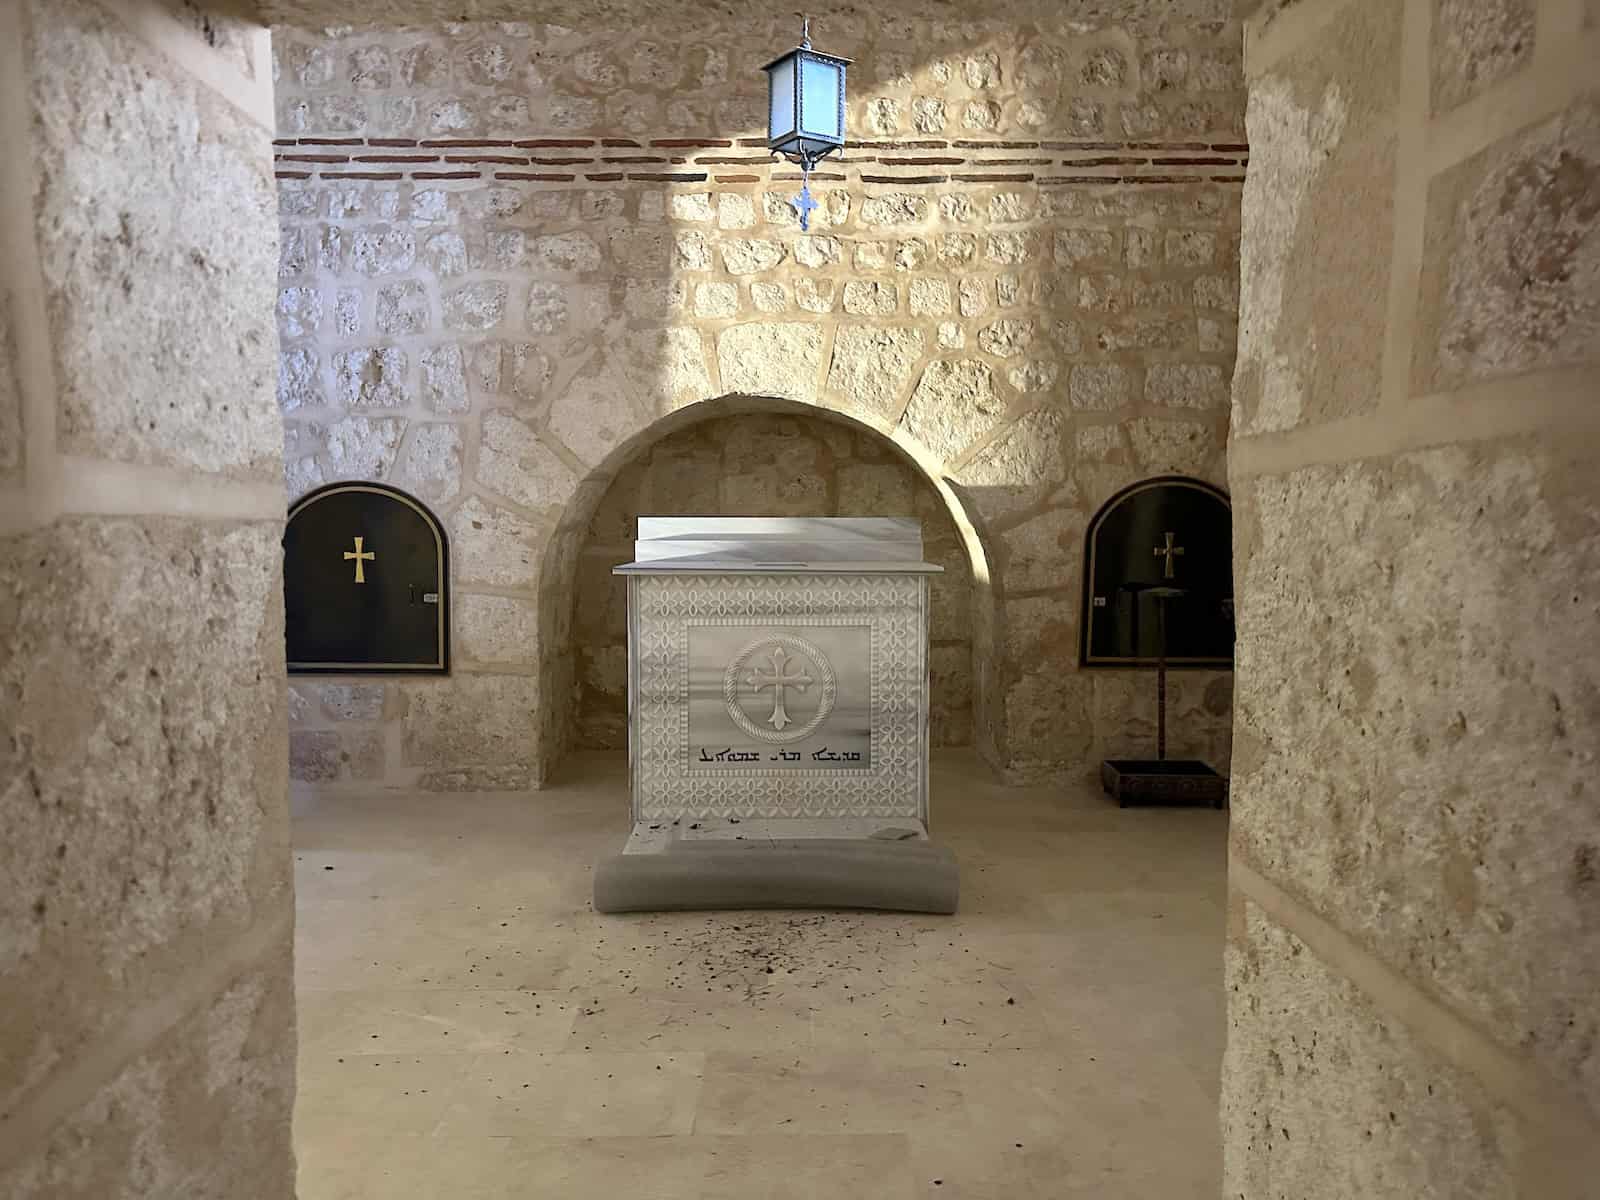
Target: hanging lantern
805,111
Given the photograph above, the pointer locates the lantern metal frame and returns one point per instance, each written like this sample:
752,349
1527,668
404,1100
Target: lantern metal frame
791,145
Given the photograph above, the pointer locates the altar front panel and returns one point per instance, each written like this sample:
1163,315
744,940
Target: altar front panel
778,696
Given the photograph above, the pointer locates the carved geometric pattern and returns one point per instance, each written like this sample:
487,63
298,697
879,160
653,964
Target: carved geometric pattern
892,606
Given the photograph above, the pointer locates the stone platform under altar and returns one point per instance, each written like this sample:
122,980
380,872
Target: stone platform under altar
778,718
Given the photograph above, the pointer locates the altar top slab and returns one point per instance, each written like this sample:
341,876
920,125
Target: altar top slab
779,545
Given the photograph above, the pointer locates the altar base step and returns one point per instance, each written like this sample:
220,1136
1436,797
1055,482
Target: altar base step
730,868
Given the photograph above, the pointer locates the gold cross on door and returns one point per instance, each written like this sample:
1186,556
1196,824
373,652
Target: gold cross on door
1169,550
363,557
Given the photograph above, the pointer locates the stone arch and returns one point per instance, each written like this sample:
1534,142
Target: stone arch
558,574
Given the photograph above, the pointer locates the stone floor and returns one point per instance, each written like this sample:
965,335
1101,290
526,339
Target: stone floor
468,1028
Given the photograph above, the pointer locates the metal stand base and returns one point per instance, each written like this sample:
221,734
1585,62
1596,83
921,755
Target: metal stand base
1163,781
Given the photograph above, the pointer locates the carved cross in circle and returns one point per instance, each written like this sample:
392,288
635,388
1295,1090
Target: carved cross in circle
779,681
362,558
1169,550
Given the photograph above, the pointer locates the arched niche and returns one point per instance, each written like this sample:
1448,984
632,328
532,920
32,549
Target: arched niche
1158,577
579,598
366,576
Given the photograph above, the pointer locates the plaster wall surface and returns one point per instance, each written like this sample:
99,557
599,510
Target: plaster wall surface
147,1037
1414,946
516,254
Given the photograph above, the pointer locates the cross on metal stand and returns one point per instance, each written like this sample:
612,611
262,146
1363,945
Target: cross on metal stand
1161,778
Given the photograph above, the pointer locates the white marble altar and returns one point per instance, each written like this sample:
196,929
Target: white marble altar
778,683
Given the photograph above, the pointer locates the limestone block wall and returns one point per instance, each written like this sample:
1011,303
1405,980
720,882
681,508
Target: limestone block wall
1414,935
147,1027
515,254
791,464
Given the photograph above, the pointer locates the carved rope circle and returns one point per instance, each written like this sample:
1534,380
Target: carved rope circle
730,689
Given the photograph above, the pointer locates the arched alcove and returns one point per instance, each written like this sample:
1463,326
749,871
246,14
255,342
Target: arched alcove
749,455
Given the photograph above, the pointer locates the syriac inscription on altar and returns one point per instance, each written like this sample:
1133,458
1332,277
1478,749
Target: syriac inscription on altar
780,698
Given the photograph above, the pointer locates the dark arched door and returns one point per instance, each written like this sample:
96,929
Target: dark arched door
365,581
1159,576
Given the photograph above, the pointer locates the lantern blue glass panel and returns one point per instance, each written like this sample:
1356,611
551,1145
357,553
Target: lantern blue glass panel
781,115
805,102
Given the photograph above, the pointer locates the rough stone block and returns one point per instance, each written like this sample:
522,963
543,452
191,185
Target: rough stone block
1043,552
563,254
153,211
644,251
1099,386
362,447
495,546
981,116
471,721
299,311
429,462
883,489
746,256
142,687
895,208
373,376
954,405
351,701
548,308
1475,44
950,695
1184,447
1185,385
382,250
10,399
1006,337
771,359
813,295
774,297
332,755
1087,247
1023,464
496,629
1433,797
871,369
513,462
929,297
402,308
735,211
693,206
1325,1096
869,298
444,379
1047,723
210,1101
1489,305
445,254
1190,247
928,114
476,307
716,301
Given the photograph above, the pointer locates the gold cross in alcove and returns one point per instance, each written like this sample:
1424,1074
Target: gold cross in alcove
359,556
1169,550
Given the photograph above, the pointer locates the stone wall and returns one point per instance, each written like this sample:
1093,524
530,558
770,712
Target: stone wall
766,464
1414,941
511,251
147,1030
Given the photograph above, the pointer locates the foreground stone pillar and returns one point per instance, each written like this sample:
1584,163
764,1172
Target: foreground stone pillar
1414,935
146,1035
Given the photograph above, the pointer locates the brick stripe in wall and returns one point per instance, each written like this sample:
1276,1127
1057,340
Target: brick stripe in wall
603,159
